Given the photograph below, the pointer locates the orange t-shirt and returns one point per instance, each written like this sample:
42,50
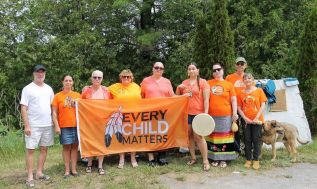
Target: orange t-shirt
196,101
220,97
65,105
250,103
237,82
150,88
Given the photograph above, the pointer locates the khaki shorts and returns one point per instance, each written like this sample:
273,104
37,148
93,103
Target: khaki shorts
40,136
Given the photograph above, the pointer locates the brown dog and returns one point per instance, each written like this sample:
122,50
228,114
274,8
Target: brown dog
274,131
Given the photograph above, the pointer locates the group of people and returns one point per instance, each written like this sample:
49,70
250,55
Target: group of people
221,98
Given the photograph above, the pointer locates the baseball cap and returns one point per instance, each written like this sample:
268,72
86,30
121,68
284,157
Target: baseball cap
39,67
241,59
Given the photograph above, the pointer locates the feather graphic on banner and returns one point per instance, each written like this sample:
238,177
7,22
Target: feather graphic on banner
114,126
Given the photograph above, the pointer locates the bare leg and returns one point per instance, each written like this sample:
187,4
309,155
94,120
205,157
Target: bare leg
74,157
29,163
41,161
191,143
133,157
121,158
66,157
89,164
202,145
151,156
100,161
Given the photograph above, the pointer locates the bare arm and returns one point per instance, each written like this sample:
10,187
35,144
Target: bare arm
55,120
247,120
24,113
260,112
206,95
234,108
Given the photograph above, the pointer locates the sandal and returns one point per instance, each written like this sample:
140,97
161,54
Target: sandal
206,166
43,177
88,169
30,183
134,164
223,164
66,176
101,171
75,174
215,163
192,162
121,164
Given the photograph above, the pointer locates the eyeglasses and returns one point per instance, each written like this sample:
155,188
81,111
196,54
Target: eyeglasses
158,68
240,63
96,77
126,77
216,70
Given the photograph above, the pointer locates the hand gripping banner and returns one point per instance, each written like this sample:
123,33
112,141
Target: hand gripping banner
115,126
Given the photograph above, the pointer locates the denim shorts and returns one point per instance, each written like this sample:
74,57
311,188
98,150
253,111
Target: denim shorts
190,118
69,135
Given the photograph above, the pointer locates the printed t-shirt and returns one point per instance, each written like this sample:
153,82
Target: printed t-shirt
130,91
150,88
220,97
88,93
250,103
38,99
65,105
237,82
196,101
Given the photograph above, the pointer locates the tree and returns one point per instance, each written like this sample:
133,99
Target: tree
202,47
307,67
221,50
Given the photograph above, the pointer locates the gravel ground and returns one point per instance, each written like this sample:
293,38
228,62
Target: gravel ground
299,176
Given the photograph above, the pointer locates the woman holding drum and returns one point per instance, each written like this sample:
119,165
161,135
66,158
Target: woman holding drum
198,103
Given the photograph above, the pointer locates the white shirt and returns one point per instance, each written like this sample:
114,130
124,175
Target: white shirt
38,99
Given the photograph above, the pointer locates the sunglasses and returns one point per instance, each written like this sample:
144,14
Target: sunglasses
158,68
96,77
217,70
126,77
240,63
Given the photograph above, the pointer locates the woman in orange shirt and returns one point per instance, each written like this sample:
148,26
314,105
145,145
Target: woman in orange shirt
251,104
100,92
223,108
156,86
64,118
198,103
126,89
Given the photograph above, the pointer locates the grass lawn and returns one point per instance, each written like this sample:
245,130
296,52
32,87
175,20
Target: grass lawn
13,174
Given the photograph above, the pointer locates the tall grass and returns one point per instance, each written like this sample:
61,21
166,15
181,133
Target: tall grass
12,145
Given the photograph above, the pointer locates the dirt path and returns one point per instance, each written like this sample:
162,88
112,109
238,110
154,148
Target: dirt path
299,176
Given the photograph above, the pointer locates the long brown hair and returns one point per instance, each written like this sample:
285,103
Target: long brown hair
198,76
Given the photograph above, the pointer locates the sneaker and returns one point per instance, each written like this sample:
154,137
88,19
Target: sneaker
162,162
152,163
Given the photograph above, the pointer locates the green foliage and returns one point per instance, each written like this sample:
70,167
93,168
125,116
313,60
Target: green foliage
77,37
307,67
201,53
221,50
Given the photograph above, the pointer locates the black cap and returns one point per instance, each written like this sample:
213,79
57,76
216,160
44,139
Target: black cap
39,67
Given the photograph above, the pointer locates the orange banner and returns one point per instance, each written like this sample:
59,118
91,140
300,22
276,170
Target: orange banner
115,126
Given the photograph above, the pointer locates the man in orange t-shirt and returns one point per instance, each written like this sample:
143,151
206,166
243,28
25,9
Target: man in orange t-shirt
237,81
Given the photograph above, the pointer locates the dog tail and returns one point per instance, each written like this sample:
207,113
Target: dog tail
299,140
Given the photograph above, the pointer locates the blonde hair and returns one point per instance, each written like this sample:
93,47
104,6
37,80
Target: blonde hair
125,72
246,75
